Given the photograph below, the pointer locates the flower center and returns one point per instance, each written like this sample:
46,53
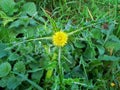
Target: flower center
60,38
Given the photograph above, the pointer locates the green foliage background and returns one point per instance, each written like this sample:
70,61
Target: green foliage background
89,61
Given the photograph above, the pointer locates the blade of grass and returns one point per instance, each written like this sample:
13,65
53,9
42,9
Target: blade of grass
90,13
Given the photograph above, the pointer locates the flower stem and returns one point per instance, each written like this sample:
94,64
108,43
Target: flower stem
60,69
59,57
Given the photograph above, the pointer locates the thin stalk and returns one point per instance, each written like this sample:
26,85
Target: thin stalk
116,8
73,32
59,57
91,16
60,69
82,28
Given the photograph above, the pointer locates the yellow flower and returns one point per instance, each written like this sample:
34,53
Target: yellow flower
60,38
112,84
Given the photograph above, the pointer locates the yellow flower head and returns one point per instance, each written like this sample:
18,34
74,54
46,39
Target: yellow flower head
60,38
112,84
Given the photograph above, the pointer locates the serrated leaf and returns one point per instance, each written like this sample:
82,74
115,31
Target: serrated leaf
23,20
5,68
3,82
8,6
19,67
13,57
113,45
52,21
13,82
15,24
29,8
6,35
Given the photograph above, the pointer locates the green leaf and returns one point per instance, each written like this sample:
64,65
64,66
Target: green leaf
8,6
112,45
70,81
89,52
23,20
13,57
13,82
100,49
95,64
29,8
108,58
74,87
28,80
3,82
16,23
5,68
96,34
6,35
52,21
41,19
19,67
6,19
37,75
79,44
76,72
3,52
50,65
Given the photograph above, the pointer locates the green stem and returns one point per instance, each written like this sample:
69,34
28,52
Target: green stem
73,32
82,28
60,69
59,57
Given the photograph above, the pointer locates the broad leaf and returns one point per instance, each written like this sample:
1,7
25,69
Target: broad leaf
19,67
8,6
13,57
3,52
37,75
3,82
5,68
96,34
30,8
112,45
13,82
79,44
100,49
108,58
